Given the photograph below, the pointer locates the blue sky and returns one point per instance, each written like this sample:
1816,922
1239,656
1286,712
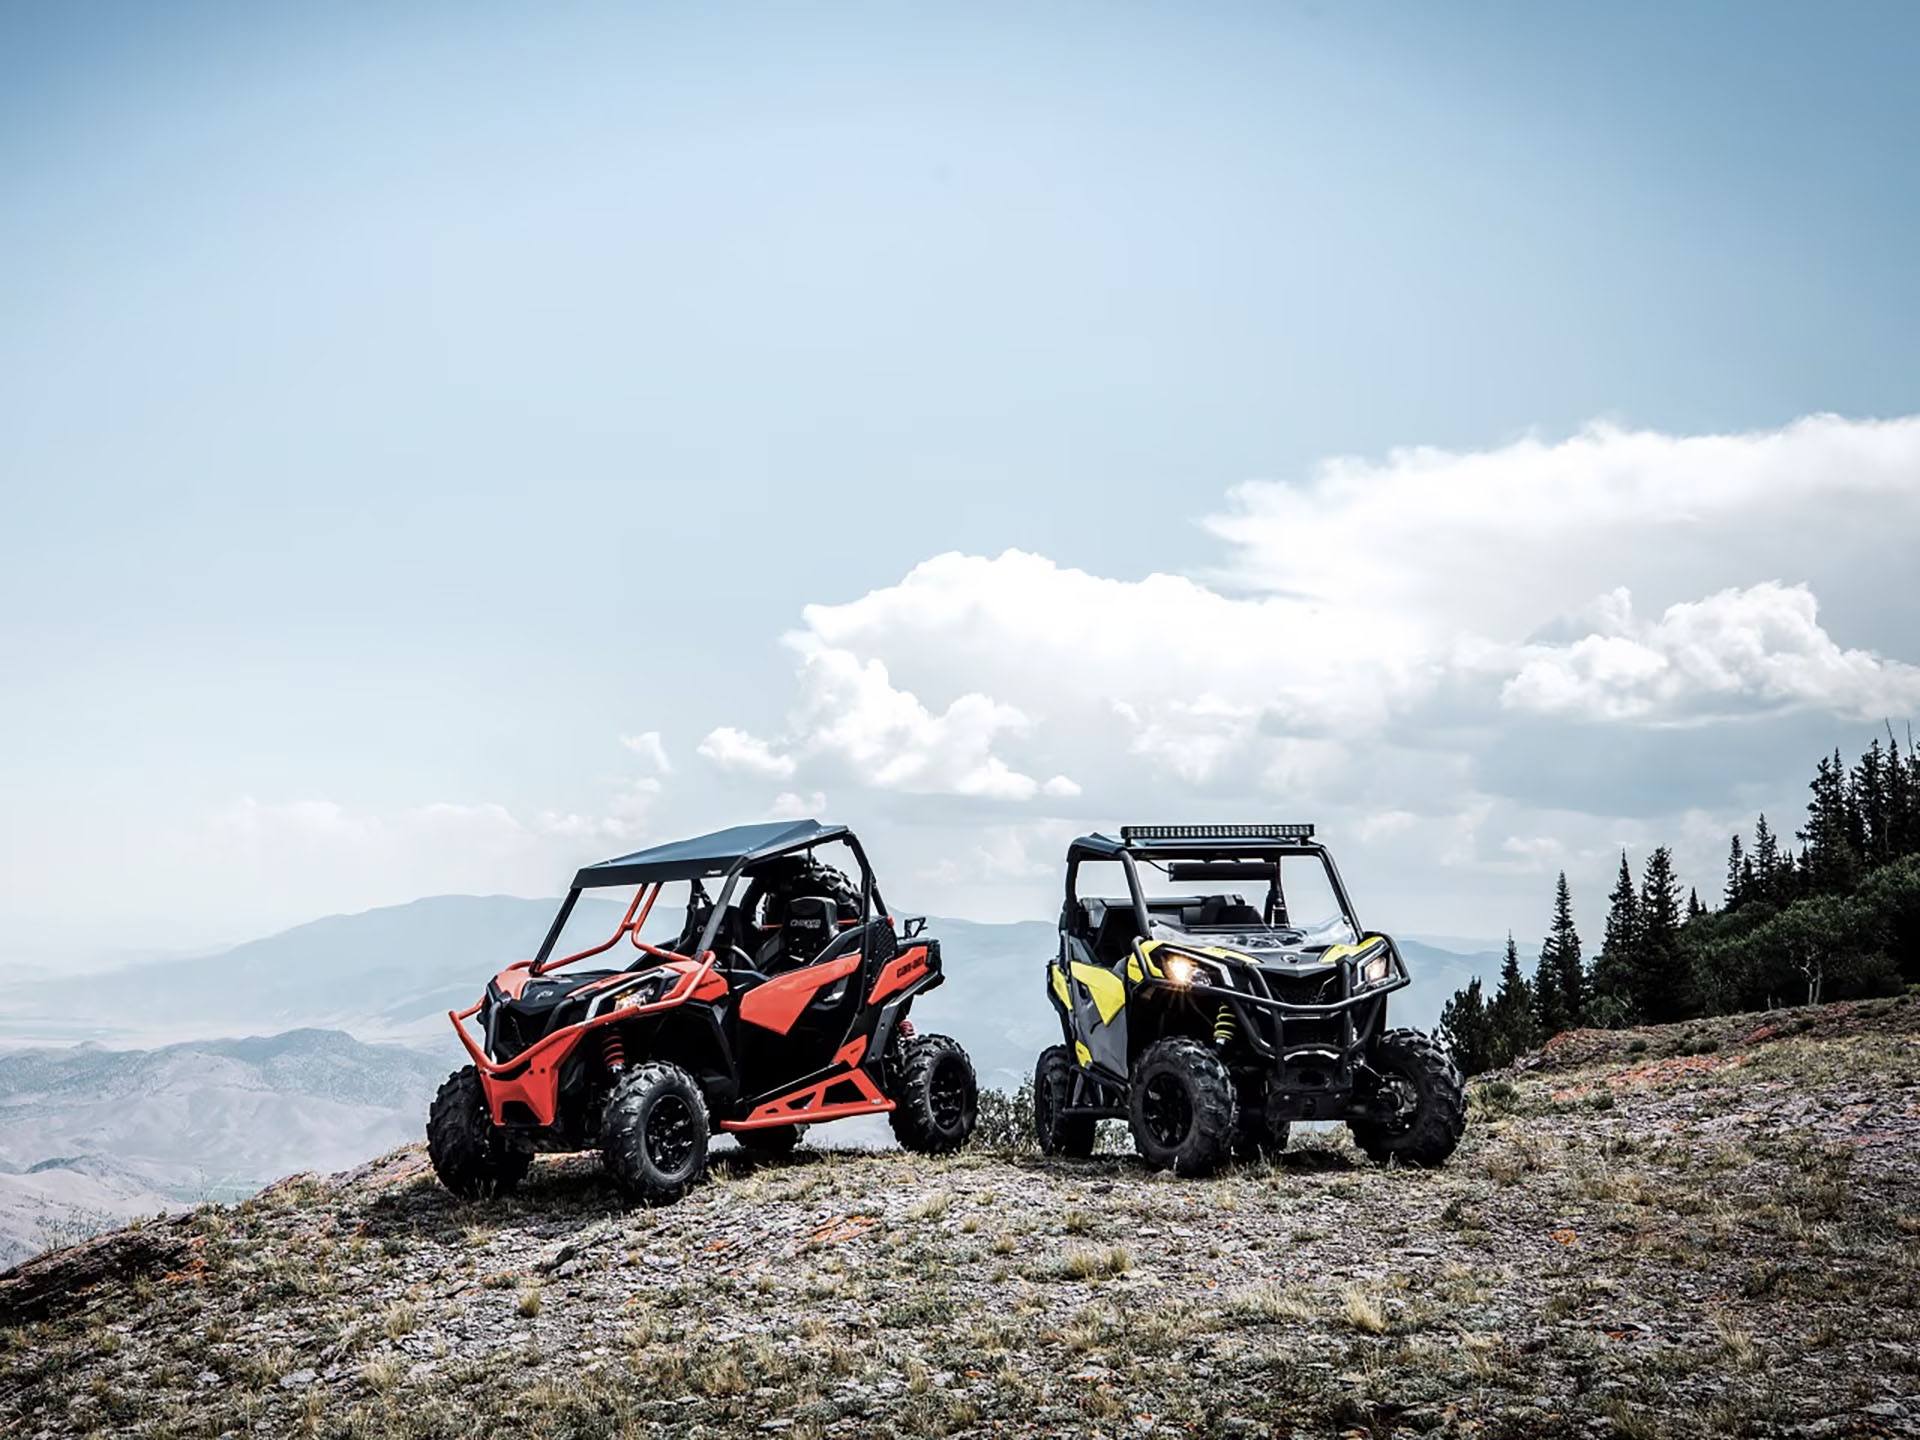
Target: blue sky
399,406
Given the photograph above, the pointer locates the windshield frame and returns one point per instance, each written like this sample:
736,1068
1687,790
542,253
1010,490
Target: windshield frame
1224,851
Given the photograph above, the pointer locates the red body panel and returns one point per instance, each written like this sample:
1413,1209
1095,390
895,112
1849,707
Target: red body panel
810,1103
777,1004
513,979
899,973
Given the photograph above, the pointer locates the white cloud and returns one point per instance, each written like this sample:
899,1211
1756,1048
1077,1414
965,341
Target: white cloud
1385,824
736,750
647,745
1495,541
1735,650
1060,787
788,805
884,737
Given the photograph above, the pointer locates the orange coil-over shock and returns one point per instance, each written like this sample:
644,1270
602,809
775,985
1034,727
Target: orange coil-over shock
612,1049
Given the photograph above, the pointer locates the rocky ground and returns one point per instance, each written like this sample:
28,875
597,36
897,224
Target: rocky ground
1711,1230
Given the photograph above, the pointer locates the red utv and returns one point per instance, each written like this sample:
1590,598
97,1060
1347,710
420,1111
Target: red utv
782,1003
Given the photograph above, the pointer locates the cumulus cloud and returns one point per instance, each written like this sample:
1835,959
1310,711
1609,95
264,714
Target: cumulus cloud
1737,650
1374,630
1494,541
851,718
736,750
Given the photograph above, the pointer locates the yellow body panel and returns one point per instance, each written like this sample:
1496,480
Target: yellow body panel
1060,986
1340,952
1109,993
1082,1054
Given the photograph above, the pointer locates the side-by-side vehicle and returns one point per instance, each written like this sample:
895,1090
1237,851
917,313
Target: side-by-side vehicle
781,1002
1214,986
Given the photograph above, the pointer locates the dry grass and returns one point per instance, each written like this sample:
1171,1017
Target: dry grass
1363,1312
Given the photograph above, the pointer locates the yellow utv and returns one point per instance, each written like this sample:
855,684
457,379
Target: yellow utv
1210,1021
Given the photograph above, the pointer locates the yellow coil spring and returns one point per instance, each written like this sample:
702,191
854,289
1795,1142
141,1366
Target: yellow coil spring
1224,1026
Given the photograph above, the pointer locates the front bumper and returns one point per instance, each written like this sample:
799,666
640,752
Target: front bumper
1308,1027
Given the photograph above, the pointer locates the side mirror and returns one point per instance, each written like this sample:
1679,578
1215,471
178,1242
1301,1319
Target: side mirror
912,925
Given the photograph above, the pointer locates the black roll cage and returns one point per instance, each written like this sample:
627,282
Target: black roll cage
1203,850
870,901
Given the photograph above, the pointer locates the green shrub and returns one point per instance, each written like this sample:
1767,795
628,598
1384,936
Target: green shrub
1006,1122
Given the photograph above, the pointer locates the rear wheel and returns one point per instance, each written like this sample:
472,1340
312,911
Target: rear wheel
654,1135
1058,1134
935,1099
1182,1108
1427,1098
770,1139
473,1157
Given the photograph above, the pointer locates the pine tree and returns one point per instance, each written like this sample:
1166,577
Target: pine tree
1463,1029
1870,806
1694,908
1660,979
1615,967
1570,973
1544,989
1766,864
1738,869
1510,1017
1902,838
1830,857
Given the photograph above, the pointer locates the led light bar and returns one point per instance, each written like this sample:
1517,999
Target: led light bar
1131,833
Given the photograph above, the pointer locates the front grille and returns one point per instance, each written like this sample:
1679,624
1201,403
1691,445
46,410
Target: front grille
1305,989
1329,1033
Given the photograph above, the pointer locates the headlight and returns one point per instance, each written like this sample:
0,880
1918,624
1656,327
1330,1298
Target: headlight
644,993
1179,970
1376,969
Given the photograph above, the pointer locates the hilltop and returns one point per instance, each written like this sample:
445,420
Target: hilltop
1705,1230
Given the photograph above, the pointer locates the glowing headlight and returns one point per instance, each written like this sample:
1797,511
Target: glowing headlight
1179,970
645,993
1376,969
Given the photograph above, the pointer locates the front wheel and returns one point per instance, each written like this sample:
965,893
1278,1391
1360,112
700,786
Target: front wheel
1058,1134
935,1099
654,1134
1182,1108
1426,1097
473,1157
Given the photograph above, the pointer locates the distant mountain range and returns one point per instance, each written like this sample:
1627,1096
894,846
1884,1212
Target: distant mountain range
89,1134
393,973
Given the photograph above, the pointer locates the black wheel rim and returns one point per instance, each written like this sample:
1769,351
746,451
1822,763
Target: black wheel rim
1167,1110
670,1137
1399,1103
947,1097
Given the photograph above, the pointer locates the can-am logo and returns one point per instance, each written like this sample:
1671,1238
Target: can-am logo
808,922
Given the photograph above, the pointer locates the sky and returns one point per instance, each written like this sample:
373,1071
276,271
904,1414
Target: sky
441,445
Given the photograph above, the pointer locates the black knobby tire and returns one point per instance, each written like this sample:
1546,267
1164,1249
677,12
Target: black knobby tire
1255,1137
654,1134
1182,1108
935,1097
770,1140
473,1157
1058,1134
1431,1129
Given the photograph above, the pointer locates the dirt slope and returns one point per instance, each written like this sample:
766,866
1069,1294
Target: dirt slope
1635,1240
